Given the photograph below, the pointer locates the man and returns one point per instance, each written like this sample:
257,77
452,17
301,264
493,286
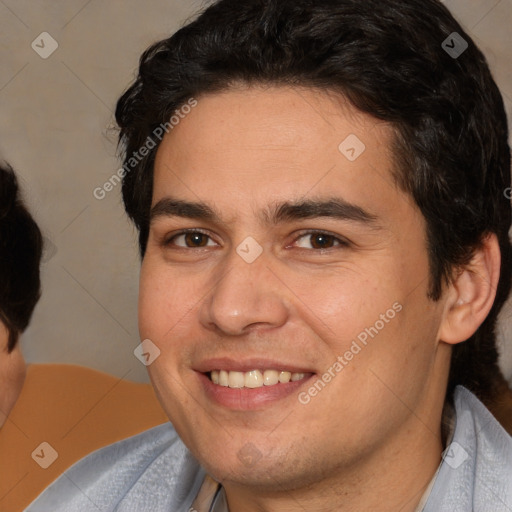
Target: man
319,192
21,247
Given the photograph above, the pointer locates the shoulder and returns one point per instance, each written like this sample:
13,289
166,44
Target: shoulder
476,470
150,471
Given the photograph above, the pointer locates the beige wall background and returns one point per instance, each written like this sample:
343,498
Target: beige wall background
56,116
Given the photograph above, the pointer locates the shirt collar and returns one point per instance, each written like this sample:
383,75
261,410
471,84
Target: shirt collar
210,498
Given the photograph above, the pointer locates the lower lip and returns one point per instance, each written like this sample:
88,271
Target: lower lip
247,399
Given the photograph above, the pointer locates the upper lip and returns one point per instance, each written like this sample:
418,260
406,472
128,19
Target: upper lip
249,364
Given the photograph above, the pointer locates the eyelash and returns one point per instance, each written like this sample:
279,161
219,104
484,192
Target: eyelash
341,242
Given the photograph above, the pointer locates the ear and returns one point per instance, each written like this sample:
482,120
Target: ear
470,296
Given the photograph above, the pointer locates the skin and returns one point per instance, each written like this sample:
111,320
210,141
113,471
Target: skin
12,375
370,440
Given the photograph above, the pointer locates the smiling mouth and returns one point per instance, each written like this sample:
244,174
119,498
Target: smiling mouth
254,378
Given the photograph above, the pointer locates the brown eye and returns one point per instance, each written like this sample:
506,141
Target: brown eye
319,240
196,240
190,240
322,241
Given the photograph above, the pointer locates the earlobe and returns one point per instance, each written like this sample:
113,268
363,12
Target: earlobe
471,294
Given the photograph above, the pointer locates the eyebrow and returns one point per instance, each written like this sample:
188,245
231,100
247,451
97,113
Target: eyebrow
335,208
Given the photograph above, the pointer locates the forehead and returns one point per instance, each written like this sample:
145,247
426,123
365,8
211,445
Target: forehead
250,145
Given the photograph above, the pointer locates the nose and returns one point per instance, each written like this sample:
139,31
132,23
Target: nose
245,297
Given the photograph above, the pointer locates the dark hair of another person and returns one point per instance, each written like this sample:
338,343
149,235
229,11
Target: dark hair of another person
21,246
386,57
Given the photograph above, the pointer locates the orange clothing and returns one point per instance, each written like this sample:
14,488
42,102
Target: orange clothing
74,409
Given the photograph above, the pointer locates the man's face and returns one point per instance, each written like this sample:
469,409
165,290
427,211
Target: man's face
12,375
304,254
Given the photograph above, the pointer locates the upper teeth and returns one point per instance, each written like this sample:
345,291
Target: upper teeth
253,379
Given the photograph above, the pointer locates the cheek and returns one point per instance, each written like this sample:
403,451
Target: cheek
155,311
165,301
342,307
12,377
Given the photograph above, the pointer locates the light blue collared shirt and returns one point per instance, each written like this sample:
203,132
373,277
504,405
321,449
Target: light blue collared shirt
154,472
